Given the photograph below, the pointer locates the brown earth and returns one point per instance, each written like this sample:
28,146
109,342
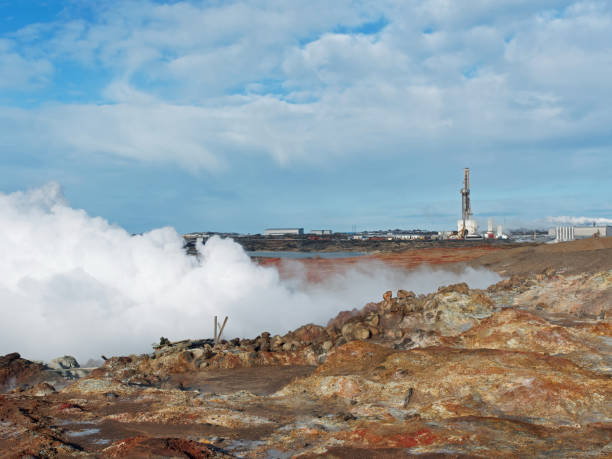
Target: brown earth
317,269
521,369
582,256
586,255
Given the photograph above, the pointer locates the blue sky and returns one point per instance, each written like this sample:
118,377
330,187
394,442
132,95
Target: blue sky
242,115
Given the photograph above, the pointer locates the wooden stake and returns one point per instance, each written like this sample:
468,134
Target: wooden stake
221,331
215,329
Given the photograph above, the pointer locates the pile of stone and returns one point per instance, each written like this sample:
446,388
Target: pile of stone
166,347
403,321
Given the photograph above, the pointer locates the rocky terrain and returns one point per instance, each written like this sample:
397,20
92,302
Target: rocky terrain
521,369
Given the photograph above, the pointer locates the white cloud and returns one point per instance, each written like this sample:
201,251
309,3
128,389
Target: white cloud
340,60
18,72
508,74
74,284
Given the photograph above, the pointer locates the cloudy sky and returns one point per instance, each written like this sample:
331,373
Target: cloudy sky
242,115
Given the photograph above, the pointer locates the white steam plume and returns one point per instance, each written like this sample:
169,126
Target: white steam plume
73,284
581,220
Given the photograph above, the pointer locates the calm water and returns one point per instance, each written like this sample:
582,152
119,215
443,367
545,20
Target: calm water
272,254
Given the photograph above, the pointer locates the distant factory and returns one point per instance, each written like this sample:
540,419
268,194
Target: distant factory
571,233
322,232
467,227
284,232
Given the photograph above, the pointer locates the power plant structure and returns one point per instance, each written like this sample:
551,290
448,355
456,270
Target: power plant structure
466,226
571,233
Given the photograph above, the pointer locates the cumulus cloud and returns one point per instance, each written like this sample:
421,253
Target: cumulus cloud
75,284
202,83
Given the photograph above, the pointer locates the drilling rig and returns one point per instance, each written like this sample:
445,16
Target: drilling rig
466,225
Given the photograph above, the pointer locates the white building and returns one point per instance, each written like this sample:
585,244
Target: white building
283,231
471,226
581,232
570,233
563,233
321,232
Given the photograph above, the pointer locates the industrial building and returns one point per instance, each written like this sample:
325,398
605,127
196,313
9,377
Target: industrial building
284,232
571,233
581,232
321,232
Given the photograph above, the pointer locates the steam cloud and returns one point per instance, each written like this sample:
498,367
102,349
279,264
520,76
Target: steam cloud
581,220
75,284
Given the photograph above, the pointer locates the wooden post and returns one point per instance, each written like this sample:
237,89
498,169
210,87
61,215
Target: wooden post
220,327
221,330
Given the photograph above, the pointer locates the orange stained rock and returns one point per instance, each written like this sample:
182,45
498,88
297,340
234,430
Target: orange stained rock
392,440
317,269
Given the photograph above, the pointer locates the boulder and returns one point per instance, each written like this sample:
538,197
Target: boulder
5,360
198,353
308,334
507,284
63,363
405,343
290,346
264,342
42,389
461,288
276,343
482,300
372,320
347,330
355,331
403,295
391,320
186,357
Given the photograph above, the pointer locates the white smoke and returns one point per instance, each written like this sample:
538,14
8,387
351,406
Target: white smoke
75,284
580,220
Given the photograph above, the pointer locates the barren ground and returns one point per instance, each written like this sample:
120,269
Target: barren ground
522,369
587,255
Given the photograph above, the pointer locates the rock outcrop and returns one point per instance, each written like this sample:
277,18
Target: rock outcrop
17,372
63,363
